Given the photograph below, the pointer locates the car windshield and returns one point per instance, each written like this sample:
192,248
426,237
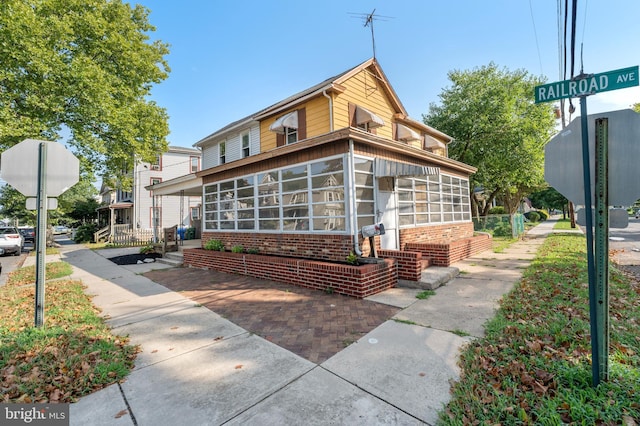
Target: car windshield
8,231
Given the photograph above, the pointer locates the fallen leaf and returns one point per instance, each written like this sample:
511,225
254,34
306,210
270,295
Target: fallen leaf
175,327
422,374
218,338
239,366
154,351
121,413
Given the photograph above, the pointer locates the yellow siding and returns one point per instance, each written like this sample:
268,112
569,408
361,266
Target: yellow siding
317,112
364,89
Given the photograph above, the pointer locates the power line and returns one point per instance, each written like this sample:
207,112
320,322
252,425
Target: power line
535,35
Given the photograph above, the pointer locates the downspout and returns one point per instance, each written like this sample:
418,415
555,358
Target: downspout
324,92
352,199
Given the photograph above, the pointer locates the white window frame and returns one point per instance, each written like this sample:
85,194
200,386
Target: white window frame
245,139
222,152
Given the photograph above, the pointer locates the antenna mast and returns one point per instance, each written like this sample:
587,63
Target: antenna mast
369,22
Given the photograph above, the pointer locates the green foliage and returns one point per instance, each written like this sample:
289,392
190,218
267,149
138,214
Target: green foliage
548,198
425,294
532,216
503,230
75,353
216,245
352,259
253,250
534,364
84,68
497,210
147,249
497,128
84,233
544,215
237,249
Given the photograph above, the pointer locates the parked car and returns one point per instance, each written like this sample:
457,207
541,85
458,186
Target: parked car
11,240
29,234
60,229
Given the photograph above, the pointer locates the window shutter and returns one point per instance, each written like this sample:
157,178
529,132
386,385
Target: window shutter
352,115
302,124
279,139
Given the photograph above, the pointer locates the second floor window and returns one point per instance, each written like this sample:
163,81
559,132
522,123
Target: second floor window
223,152
157,165
194,164
246,150
290,135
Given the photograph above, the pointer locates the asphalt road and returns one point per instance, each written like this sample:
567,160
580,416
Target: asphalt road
626,243
10,262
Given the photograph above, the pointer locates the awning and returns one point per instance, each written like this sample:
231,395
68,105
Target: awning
431,142
385,168
404,133
364,116
288,120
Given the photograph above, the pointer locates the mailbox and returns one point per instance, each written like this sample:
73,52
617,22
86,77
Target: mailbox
373,230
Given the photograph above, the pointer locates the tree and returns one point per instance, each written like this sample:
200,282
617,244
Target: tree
497,128
548,198
80,71
636,107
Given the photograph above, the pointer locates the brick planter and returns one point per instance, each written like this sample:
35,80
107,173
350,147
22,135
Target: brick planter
358,281
444,254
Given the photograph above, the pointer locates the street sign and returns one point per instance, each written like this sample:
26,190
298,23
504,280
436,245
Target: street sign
588,85
19,167
563,165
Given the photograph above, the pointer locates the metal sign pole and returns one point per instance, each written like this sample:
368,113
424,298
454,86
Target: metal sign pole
602,245
586,172
41,234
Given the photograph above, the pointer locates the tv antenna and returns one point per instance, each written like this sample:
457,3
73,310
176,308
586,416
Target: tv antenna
368,19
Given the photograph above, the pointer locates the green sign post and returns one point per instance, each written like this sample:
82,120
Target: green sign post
582,86
585,85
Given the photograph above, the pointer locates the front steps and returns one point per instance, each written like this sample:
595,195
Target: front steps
173,258
432,278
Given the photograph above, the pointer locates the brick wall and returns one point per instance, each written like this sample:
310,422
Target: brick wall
436,233
334,248
358,281
444,254
410,263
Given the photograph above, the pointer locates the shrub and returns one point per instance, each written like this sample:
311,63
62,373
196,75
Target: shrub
502,230
84,233
147,249
214,245
253,251
532,216
237,249
497,210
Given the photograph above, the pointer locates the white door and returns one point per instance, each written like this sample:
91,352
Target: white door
387,213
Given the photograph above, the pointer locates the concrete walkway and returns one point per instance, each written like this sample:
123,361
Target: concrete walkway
197,368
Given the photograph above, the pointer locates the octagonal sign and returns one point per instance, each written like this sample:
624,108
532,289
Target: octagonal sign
563,158
19,167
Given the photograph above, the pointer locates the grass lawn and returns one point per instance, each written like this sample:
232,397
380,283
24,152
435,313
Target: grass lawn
72,355
564,224
534,364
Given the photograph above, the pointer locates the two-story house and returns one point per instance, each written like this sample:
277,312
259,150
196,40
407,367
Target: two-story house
139,209
302,177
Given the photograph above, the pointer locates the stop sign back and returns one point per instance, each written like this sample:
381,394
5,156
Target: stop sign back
19,167
563,158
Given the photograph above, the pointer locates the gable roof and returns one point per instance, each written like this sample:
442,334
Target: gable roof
331,84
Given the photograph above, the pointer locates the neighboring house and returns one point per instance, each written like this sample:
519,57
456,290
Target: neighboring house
302,177
139,209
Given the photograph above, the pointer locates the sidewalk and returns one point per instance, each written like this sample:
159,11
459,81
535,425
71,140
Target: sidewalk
198,368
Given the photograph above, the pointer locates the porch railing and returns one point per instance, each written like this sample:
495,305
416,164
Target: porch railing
126,235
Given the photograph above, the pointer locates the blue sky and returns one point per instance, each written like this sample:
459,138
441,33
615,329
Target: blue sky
230,59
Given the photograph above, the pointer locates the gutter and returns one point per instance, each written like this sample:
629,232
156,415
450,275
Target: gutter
324,92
